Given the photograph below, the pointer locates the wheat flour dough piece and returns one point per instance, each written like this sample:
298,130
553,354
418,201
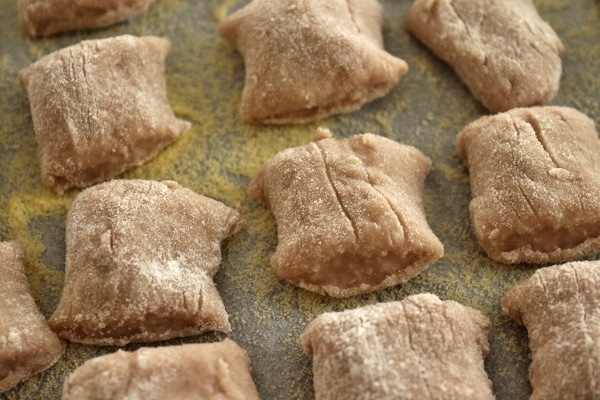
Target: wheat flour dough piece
418,348
306,60
535,184
560,307
27,345
502,50
349,213
140,260
190,371
48,17
100,108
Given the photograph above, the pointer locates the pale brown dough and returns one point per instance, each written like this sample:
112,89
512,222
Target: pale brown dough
502,50
48,17
419,348
306,60
140,260
100,108
27,345
535,184
207,371
560,307
349,213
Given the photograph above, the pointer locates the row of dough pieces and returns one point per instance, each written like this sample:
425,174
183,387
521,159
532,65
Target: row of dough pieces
100,107
420,347
137,249
560,173
141,254
307,60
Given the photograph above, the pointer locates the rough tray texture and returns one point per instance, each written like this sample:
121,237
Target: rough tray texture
100,108
47,17
217,371
560,307
140,260
349,213
27,345
419,348
535,184
306,60
503,51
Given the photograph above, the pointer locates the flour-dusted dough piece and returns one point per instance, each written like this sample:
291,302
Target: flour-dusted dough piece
501,49
560,307
140,260
100,108
418,348
48,17
535,184
306,60
27,345
191,371
349,213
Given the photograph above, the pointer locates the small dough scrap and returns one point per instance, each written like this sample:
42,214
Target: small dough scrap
349,213
535,184
419,348
48,17
140,260
306,60
502,50
100,108
560,307
27,345
200,371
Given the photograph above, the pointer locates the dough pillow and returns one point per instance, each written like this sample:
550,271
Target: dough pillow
419,348
27,345
560,307
349,213
100,108
535,184
48,17
501,49
306,60
186,372
140,260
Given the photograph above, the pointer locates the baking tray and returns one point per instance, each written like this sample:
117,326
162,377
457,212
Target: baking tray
219,156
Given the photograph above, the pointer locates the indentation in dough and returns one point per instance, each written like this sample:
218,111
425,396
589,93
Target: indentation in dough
503,51
535,181
349,213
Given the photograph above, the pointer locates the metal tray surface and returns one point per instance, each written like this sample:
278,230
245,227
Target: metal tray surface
219,156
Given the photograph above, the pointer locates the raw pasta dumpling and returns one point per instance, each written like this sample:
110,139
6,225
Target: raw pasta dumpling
140,260
418,348
306,60
349,213
27,345
502,50
100,108
535,184
48,17
560,307
200,371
